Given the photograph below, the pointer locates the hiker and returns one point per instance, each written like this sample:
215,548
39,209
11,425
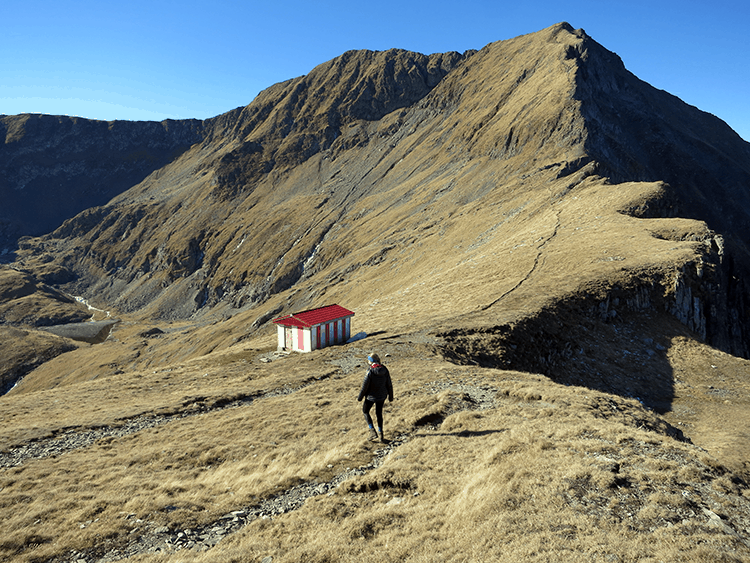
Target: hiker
375,388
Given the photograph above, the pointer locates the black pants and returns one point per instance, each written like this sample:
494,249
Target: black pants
367,405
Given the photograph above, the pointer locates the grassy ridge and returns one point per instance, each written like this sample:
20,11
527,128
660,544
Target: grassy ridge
546,472
503,222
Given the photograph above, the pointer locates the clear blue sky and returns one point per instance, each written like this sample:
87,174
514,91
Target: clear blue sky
158,59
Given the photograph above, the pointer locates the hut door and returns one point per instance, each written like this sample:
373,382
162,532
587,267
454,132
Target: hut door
288,338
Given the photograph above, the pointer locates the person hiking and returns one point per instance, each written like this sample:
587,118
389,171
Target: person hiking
375,389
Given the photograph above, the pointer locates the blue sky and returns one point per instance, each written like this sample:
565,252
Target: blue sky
161,59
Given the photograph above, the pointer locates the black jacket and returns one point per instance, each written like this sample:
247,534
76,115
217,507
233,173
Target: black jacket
377,384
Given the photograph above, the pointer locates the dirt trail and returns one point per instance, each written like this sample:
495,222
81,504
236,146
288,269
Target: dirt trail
537,260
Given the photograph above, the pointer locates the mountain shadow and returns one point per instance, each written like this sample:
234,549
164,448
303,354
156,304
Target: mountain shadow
581,344
54,167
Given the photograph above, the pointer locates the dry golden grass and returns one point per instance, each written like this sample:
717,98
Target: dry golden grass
455,235
712,401
111,400
550,473
515,483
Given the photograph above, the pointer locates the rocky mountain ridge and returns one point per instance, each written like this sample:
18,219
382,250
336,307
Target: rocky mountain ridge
437,134
549,254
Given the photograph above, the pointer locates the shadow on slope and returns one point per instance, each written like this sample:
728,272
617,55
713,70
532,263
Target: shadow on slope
574,344
54,167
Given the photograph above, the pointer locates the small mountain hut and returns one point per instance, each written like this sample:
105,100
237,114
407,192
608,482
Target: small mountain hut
314,329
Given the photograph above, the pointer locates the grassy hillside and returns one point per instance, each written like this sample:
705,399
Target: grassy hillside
482,464
565,329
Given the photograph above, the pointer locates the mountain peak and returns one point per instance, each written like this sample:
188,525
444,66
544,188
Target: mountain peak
262,203
530,236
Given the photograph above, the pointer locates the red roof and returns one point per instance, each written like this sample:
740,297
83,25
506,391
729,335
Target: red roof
314,316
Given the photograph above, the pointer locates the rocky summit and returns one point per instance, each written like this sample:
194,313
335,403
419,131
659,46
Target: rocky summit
552,255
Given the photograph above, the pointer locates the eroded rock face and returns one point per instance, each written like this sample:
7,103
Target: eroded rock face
53,167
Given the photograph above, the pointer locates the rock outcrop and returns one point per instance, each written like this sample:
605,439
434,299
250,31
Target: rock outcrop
54,167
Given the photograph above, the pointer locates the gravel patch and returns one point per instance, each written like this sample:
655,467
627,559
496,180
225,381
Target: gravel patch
147,537
74,439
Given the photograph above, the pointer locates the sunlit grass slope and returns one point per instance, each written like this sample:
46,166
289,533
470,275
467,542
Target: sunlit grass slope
548,472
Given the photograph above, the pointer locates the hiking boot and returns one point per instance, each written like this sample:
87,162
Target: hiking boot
373,435
382,437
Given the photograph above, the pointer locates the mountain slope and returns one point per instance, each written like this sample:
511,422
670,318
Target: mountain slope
321,177
534,241
473,210
230,458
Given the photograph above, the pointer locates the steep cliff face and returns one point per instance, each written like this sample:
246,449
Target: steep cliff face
54,167
639,133
612,335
